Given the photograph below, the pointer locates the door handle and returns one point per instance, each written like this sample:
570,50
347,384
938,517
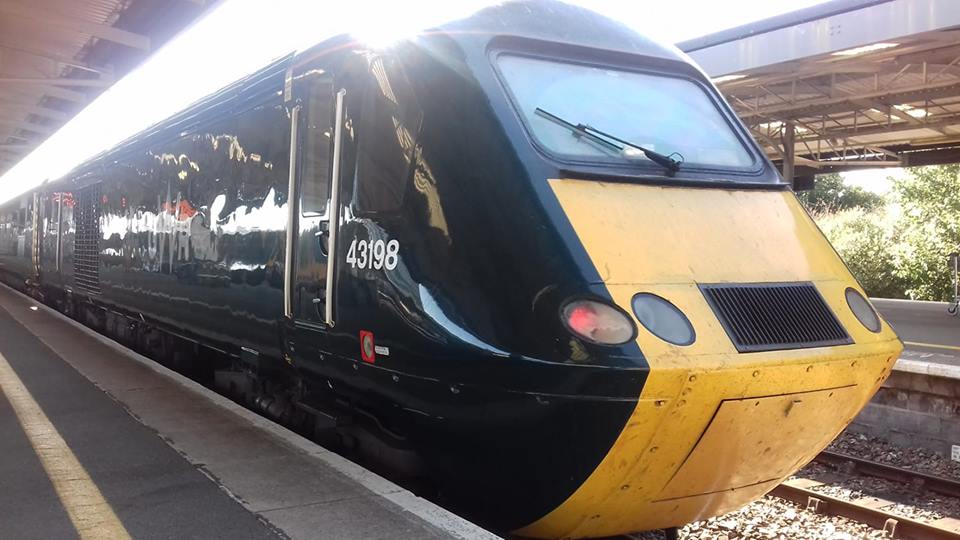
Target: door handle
322,235
324,228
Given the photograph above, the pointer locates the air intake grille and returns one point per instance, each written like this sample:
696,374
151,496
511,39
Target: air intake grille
775,316
86,243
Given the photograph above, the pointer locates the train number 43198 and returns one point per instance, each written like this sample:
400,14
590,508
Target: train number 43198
374,254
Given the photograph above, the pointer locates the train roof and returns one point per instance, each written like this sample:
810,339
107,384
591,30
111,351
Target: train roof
551,20
542,20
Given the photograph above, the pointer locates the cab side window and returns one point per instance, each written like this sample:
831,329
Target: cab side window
316,138
390,124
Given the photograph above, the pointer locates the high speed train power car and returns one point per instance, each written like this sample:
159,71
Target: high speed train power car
530,255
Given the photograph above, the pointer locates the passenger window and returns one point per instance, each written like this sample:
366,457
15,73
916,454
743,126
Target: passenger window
390,126
315,148
262,137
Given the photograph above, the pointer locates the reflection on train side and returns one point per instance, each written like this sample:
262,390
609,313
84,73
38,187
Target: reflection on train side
208,210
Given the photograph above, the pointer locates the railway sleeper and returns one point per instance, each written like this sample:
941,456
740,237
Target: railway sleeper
799,491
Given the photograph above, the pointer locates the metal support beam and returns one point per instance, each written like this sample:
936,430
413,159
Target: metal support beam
36,128
44,112
894,112
789,137
819,106
63,93
58,81
806,162
747,48
56,58
49,18
15,147
769,141
878,129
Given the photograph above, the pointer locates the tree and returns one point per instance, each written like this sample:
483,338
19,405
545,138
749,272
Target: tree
866,241
930,201
830,194
922,263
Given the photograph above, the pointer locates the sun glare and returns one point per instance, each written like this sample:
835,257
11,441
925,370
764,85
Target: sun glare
240,36
235,39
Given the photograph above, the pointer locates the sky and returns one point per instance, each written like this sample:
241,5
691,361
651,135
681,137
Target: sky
875,180
240,36
679,20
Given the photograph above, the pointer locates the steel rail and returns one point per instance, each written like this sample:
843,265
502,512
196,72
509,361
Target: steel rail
943,486
869,510
862,511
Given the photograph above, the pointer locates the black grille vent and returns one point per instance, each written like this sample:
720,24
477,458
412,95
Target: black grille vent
775,316
86,243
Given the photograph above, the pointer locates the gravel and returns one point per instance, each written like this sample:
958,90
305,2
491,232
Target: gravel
771,518
881,451
911,501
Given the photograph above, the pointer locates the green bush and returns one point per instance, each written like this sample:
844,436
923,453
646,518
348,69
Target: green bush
897,246
922,261
866,240
830,194
930,201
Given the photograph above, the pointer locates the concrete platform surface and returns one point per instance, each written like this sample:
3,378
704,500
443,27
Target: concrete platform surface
97,441
929,333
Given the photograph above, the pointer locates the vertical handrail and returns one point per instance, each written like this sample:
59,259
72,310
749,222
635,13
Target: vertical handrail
59,232
292,204
334,225
35,243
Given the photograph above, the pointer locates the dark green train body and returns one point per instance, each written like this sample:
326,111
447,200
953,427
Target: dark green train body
428,324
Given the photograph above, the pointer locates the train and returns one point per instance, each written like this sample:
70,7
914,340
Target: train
529,255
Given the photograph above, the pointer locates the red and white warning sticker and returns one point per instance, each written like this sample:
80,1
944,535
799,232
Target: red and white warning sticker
368,351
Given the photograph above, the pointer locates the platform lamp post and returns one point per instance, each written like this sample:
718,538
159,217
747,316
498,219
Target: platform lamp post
952,308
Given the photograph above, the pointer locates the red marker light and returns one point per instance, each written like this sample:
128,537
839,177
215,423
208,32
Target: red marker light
598,322
367,348
582,319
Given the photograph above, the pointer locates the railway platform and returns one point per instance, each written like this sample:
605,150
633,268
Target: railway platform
930,335
919,404
99,442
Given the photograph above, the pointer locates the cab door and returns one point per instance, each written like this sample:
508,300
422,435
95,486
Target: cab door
315,106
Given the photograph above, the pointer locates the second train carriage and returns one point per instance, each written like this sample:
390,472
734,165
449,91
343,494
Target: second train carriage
530,254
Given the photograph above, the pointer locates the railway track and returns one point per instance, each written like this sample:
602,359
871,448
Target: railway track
943,486
863,516
874,511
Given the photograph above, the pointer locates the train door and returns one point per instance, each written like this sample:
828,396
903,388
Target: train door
37,235
49,244
316,134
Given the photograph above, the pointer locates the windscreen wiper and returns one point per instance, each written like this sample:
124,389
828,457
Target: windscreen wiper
668,162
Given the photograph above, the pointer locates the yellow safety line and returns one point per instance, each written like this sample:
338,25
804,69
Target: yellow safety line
90,513
932,345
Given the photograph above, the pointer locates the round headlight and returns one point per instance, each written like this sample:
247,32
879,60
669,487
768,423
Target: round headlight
862,310
598,322
663,319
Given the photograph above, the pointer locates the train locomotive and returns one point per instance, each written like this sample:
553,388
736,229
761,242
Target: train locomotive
530,255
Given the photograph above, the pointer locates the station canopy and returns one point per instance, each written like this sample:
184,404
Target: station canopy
58,55
846,84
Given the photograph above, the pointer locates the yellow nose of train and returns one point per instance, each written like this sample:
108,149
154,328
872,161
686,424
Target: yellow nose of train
715,428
